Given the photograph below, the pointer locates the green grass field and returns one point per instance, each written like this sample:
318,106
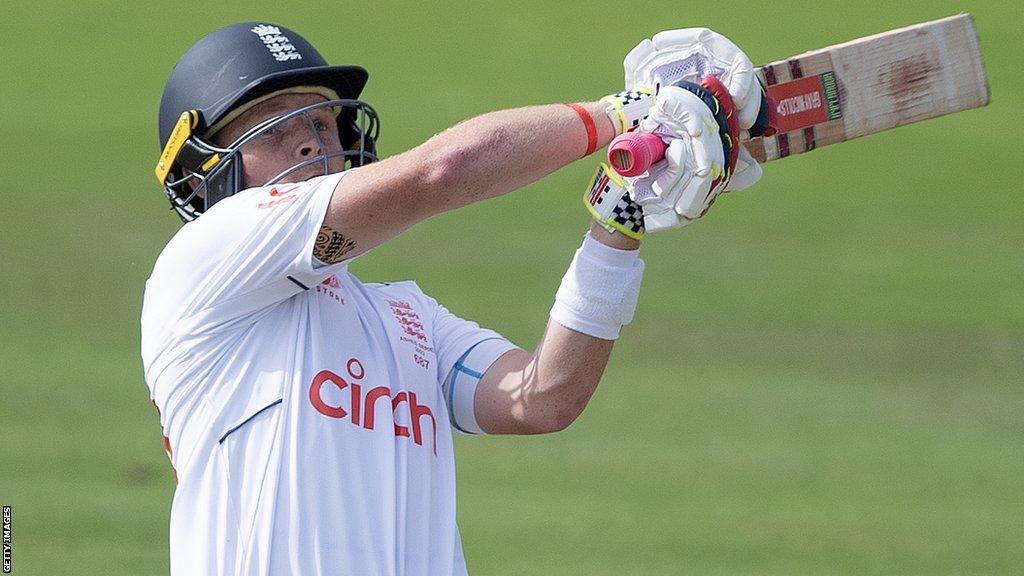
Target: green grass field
824,375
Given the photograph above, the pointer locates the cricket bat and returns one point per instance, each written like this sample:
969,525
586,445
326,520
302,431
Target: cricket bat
860,87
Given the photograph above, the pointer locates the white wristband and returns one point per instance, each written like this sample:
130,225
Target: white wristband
599,291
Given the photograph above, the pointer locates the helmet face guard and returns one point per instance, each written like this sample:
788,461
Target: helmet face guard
197,174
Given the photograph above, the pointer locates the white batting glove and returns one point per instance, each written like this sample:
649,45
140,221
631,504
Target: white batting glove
746,173
692,54
678,190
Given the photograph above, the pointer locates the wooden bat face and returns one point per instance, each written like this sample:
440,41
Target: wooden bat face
872,84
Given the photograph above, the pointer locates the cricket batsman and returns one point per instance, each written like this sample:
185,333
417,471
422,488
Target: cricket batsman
308,415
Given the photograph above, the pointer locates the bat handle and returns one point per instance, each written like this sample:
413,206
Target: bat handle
632,153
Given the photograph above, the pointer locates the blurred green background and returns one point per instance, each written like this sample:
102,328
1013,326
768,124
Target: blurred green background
824,376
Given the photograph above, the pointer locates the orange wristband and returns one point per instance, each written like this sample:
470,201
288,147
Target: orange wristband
588,123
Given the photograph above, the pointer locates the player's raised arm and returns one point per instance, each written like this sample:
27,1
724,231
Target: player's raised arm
481,158
546,390
502,151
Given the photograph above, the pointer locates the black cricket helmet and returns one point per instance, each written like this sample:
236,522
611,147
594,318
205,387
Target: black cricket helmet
226,73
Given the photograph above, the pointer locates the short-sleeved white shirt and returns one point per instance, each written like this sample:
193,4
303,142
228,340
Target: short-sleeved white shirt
304,410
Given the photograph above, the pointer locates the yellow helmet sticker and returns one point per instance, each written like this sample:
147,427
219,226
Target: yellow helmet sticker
181,133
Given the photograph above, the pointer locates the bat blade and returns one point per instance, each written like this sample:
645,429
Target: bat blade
872,84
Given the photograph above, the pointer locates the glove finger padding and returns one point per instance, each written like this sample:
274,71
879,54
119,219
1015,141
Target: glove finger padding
680,112
747,173
717,48
678,189
692,54
751,100
634,61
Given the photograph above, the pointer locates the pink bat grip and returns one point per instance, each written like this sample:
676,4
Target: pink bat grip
632,153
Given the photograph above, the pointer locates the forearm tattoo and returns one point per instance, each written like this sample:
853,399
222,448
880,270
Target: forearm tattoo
331,245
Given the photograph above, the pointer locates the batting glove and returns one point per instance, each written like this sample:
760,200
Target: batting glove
679,189
692,54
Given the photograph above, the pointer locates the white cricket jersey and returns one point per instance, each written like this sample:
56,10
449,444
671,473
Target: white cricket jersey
303,410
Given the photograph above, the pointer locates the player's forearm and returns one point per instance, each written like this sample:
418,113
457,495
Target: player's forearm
502,151
545,391
480,158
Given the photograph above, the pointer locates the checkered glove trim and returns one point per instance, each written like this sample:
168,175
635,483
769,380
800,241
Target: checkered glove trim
608,201
628,108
